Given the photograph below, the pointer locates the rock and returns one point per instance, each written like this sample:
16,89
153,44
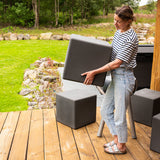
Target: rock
42,65
46,84
33,37
30,108
49,78
41,88
13,37
37,63
143,42
42,105
142,39
147,25
140,35
29,96
32,103
32,74
61,64
109,39
101,38
45,36
25,91
40,80
26,82
39,99
43,59
56,37
66,37
20,36
32,85
7,36
26,37
1,38
150,40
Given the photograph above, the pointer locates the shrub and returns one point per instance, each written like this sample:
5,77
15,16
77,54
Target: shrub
19,14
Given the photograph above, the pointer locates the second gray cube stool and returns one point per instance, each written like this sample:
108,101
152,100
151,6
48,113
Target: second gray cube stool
76,108
145,104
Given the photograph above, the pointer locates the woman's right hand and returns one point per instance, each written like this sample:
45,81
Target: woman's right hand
89,77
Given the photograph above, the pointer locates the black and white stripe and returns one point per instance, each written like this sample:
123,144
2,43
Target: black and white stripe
125,46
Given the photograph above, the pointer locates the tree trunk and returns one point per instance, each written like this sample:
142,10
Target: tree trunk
56,12
38,10
71,15
58,9
35,10
82,10
155,78
104,8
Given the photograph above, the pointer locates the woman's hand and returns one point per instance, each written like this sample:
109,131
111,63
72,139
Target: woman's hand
89,77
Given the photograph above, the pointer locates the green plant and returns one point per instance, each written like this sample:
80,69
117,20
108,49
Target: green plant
7,29
19,14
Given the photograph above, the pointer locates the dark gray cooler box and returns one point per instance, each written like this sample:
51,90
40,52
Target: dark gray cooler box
144,66
76,108
85,54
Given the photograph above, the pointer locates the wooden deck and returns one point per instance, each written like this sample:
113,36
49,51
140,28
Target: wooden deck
35,135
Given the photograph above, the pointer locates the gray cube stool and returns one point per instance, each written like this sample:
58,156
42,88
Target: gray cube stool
76,108
155,136
145,104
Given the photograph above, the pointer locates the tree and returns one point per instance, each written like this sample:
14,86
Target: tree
151,4
56,11
60,12
35,5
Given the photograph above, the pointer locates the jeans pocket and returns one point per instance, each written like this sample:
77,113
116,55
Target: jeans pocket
131,83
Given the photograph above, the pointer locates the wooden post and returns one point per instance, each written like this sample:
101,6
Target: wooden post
155,78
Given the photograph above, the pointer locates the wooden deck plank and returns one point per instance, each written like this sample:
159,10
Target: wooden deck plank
133,145
84,145
146,129
51,140
136,149
19,145
35,145
98,142
3,116
109,138
144,140
68,145
7,134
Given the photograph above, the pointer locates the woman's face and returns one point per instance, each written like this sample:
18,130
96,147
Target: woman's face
121,24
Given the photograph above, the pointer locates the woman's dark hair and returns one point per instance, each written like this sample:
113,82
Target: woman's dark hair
125,13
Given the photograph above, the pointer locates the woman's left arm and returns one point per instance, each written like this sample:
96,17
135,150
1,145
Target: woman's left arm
109,66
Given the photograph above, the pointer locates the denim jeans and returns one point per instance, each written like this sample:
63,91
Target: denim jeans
114,106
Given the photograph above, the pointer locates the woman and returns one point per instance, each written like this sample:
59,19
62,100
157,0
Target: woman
123,60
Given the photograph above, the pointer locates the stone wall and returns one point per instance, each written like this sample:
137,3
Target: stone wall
141,30
41,83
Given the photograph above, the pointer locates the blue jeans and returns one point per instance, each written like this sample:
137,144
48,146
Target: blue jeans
114,106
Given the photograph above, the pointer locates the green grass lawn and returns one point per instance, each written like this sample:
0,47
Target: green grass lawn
15,58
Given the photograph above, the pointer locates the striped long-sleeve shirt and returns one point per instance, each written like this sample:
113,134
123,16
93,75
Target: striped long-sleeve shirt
125,46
